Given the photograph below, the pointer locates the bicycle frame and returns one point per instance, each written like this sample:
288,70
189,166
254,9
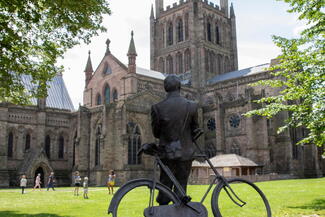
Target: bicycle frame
184,198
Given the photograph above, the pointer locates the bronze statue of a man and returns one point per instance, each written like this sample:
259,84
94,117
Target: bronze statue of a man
174,121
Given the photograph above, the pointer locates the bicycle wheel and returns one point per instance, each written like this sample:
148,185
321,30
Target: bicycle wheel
256,202
133,197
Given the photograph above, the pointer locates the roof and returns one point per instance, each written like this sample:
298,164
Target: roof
150,73
227,160
58,96
240,73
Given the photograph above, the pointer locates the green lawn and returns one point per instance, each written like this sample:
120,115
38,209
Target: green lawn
289,198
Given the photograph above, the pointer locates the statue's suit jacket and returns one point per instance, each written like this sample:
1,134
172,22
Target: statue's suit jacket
168,117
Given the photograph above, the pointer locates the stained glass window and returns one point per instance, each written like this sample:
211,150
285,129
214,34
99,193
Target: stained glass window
211,124
234,121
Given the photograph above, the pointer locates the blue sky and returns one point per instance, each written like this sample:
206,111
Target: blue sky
257,21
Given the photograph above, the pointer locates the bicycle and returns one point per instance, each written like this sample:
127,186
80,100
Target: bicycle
224,187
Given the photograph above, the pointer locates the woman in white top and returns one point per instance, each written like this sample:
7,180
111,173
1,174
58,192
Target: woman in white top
111,181
77,183
23,183
38,182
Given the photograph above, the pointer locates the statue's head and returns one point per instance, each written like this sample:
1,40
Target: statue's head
172,83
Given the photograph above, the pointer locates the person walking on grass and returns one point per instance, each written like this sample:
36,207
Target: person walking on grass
51,181
23,184
85,185
111,181
38,182
77,182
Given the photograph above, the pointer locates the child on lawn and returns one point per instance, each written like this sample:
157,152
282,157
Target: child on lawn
85,185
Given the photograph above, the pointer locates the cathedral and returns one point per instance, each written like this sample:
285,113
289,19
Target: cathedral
194,39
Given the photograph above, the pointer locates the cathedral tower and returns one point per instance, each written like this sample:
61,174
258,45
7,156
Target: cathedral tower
195,38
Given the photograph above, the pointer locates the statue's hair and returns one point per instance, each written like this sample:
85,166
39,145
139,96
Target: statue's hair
172,83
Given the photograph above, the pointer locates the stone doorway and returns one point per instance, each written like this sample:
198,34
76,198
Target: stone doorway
41,171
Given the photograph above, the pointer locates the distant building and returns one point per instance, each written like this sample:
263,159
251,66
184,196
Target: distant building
194,39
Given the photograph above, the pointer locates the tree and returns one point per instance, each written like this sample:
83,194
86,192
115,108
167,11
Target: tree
300,75
35,33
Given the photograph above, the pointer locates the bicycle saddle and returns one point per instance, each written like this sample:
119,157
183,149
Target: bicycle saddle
149,149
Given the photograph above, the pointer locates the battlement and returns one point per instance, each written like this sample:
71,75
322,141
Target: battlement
205,2
176,5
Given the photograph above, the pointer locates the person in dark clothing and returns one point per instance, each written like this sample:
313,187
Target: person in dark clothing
175,119
51,181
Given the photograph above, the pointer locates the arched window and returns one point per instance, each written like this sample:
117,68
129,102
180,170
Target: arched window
179,63
74,149
170,34
98,99
170,65
235,149
134,143
107,69
10,144
97,145
61,147
27,141
227,65
217,35
220,61
186,27
212,63
180,36
187,60
48,146
161,65
115,95
207,61
162,36
107,94
209,36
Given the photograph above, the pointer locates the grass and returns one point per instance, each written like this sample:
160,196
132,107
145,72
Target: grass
288,198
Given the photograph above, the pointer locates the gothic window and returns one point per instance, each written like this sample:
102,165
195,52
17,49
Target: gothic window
217,35
212,63
180,30
61,147
217,64
209,36
220,61
170,65
107,94
295,151
98,99
97,146
170,34
227,65
48,146
107,69
207,61
187,60
27,141
235,149
161,65
134,144
179,62
234,121
10,144
163,35
186,27
74,149
115,95
211,124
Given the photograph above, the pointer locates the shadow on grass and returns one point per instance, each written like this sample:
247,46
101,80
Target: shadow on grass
317,204
16,214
